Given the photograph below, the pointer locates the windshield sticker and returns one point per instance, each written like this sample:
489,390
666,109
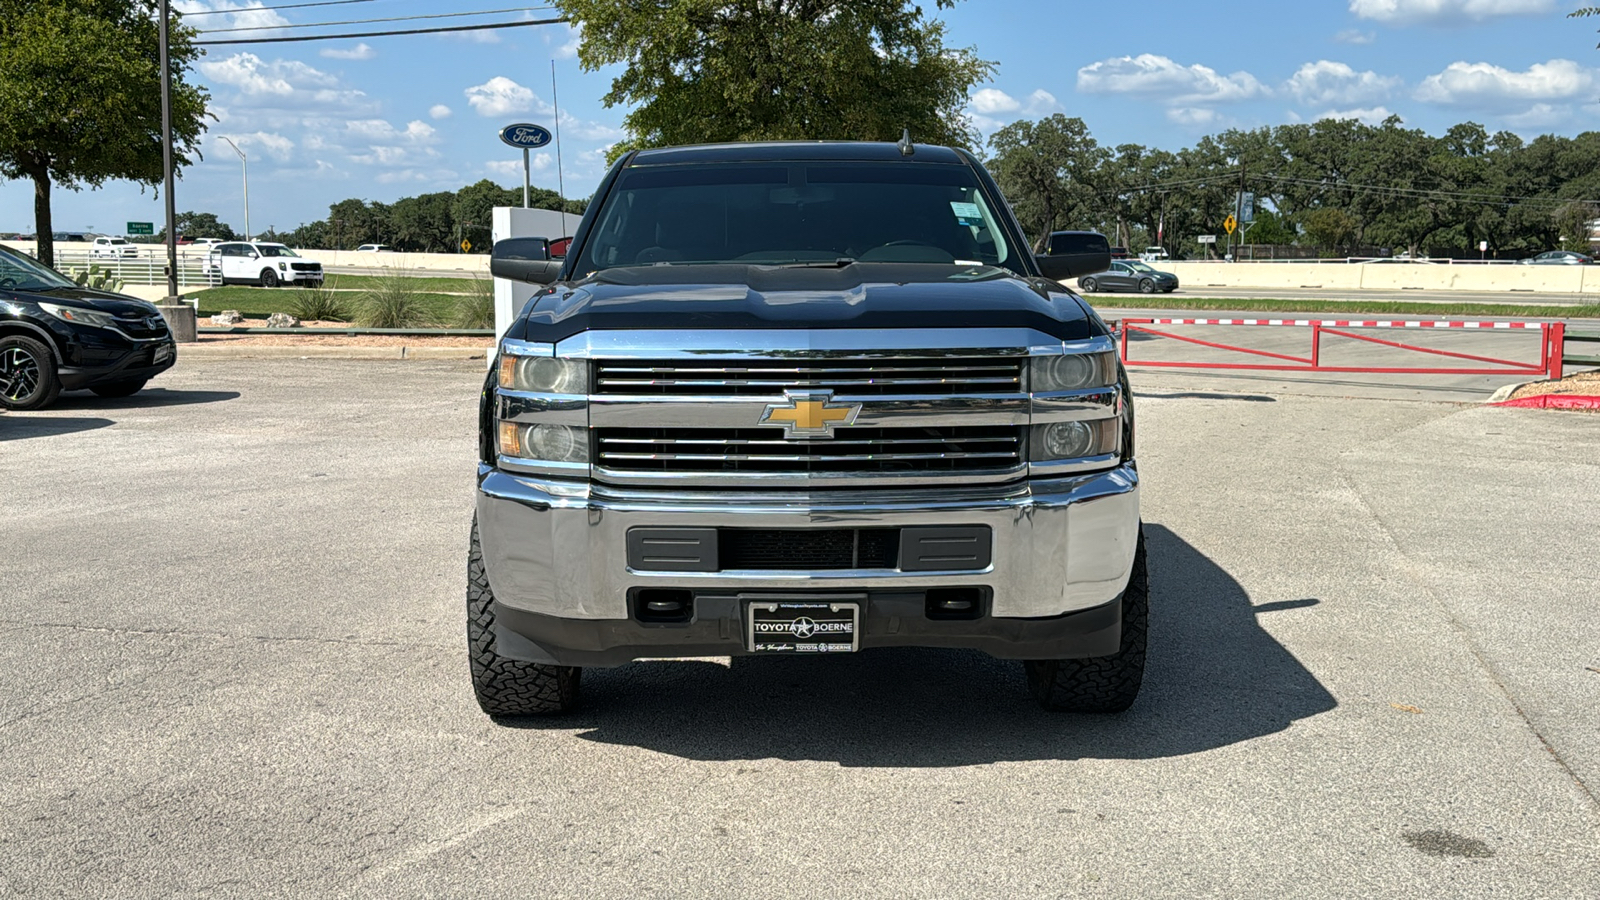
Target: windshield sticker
966,213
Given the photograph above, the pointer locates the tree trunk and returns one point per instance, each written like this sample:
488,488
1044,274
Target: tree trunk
45,249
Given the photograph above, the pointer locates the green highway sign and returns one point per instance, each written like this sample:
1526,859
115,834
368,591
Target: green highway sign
141,228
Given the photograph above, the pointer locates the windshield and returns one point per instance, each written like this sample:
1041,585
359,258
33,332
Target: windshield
23,273
270,250
1139,267
801,213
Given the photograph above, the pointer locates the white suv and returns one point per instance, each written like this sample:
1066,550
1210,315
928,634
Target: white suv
267,265
112,248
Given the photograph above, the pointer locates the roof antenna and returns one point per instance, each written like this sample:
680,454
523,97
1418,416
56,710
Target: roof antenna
906,149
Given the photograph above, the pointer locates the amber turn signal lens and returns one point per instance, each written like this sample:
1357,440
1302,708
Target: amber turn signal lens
508,371
510,442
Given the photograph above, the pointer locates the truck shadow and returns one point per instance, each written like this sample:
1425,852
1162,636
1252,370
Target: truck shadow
148,398
1215,678
18,426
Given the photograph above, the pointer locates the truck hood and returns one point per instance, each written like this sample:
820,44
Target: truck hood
860,295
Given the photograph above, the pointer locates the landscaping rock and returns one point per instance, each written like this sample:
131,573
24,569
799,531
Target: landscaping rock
227,317
282,320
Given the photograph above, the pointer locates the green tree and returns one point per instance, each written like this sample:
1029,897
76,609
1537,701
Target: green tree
199,225
1329,227
1047,171
80,97
736,70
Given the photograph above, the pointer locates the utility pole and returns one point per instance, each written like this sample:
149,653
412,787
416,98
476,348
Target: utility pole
180,316
245,164
1238,213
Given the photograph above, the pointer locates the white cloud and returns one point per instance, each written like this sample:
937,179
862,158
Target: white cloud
251,75
569,36
989,101
439,111
1485,85
1372,116
1042,103
509,168
1159,78
500,96
1355,36
1541,115
1193,116
359,51
238,15
1324,82
272,144
1445,12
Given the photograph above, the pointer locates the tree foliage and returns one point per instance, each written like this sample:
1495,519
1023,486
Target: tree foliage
1331,186
80,96
699,71
429,223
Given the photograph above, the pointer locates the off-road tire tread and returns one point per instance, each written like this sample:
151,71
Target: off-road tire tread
1105,684
52,381
508,687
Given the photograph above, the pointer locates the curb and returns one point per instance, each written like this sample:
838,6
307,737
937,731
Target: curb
330,352
1554,401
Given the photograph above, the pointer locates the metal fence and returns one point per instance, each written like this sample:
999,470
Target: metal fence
146,268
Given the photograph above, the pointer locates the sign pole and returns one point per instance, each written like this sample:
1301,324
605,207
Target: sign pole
526,178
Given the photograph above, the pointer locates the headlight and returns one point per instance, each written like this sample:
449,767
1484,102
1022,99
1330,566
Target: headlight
1071,372
544,374
1074,440
283,267
79,316
550,443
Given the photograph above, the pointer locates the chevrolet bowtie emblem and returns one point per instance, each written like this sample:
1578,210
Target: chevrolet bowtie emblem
809,414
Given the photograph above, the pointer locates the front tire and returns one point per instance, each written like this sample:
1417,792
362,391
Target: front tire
27,374
1088,285
1147,286
120,388
508,687
1106,684
269,278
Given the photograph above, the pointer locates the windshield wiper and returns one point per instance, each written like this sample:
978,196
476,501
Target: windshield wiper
839,263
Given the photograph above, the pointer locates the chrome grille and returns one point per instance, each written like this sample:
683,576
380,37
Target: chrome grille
883,451
845,377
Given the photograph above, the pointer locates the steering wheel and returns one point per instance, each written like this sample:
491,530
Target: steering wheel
7,281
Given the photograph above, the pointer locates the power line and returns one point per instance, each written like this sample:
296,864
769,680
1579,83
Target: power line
367,34
455,15
249,9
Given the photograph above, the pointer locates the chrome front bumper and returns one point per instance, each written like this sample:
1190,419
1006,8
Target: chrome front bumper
556,548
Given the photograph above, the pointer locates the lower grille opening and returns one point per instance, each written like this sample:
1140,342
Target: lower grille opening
955,603
663,605
808,548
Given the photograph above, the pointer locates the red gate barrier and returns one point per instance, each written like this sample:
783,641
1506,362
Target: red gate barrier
1549,364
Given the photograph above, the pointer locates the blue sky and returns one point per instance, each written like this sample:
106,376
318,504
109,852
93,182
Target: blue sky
389,117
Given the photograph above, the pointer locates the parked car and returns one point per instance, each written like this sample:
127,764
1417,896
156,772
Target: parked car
1129,275
1153,254
1559,258
264,264
1120,253
558,247
56,335
112,248
372,248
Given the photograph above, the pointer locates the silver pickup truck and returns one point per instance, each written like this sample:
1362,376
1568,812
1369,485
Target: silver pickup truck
804,398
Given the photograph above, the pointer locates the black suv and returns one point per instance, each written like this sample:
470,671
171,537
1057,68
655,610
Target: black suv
57,335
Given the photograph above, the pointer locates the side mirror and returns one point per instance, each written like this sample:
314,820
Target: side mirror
524,259
1074,253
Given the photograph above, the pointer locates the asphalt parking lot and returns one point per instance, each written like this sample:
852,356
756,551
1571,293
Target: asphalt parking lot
233,665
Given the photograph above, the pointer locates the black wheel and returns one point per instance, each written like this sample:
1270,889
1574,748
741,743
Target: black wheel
120,388
508,687
27,373
1147,286
269,278
1088,285
1105,684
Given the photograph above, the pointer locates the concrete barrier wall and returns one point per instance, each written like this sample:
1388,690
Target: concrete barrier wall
1388,276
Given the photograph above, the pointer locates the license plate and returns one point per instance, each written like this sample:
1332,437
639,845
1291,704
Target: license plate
162,354
792,626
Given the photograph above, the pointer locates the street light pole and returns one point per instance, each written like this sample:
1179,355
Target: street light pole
180,316
245,164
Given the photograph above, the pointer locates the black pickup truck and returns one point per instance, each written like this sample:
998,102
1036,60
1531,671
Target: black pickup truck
804,398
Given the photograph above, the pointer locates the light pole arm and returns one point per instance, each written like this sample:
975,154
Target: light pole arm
244,164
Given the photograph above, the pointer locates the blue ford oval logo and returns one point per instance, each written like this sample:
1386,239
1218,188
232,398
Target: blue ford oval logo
525,135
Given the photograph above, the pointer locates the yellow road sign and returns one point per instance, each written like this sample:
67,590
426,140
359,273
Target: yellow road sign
466,245
1230,223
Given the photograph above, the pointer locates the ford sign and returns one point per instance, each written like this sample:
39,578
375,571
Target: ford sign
525,135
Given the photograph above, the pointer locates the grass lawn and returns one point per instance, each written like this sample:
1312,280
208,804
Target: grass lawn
1346,308
430,285
258,302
